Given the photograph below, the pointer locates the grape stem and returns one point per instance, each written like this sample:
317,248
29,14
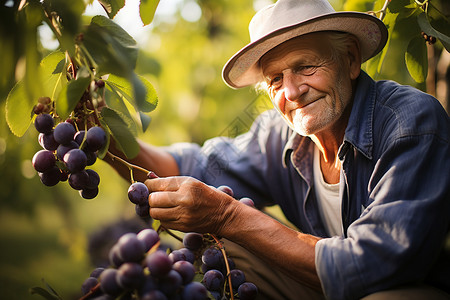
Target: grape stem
92,292
130,166
227,266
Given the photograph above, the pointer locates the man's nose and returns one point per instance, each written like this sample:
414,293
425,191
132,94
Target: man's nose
294,86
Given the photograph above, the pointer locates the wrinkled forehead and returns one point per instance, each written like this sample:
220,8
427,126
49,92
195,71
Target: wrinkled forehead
305,47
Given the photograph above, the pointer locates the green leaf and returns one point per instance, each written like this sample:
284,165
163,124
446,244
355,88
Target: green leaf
373,66
115,101
18,110
113,51
416,59
147,10
115,30
71,95
112,6
19,105
44,293
125,140
145,120
140,92
429,30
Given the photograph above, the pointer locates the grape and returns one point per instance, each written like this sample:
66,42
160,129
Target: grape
148,286
216,295
247,291
158,263
114,258
91,158
44,123
96,272
149,237
75,160
64,133
185,269
50,177
212,257
176,255
142,211
88,284
43,160
63,149
95,138
195,291
138,193
170,283
47,141
89,193
130,248
94,179
226,189
237,278
193,240
154,295
79,180
108,282
79,136
190,256
130,275
247,201
213,280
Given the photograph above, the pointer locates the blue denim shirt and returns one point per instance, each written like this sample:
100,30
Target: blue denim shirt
395,187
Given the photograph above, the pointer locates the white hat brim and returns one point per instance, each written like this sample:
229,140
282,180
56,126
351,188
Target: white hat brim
242,69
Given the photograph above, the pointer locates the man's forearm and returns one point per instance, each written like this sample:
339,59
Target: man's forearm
150,158
289,250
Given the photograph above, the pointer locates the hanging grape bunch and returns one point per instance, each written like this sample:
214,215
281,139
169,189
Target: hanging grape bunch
67,151
140,269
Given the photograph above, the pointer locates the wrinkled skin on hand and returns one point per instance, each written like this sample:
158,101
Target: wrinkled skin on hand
187,204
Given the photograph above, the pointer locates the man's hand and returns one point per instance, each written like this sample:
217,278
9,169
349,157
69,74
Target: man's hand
186,204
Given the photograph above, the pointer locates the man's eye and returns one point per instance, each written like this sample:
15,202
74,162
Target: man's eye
274,81
306,70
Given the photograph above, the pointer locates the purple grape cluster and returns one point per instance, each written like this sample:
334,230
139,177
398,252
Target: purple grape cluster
141,270
215,271
66,153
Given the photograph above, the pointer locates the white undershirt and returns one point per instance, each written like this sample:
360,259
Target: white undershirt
328,200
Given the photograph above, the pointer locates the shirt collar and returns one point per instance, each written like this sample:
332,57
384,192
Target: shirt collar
359,131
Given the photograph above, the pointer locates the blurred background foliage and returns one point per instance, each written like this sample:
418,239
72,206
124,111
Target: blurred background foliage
45,232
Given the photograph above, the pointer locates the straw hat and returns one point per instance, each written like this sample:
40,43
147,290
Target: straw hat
287,19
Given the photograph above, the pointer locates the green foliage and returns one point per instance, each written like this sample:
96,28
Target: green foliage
410,23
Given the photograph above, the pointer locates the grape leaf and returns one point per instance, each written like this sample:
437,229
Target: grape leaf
44,293
18,110
19,104
123,137
112,6
147,10
70,95
112,49
429,30
115,30
416,59
115,101
145,120
140,92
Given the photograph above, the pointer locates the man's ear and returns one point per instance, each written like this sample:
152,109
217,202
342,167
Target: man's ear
354,55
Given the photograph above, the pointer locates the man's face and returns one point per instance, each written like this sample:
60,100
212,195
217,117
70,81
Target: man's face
308,85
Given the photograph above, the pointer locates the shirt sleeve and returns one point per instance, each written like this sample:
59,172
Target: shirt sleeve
240,162
399,236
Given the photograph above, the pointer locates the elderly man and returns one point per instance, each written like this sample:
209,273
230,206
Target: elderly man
360,167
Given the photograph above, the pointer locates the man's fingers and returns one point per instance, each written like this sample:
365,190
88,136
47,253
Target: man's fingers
164,184
162,200
163,214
